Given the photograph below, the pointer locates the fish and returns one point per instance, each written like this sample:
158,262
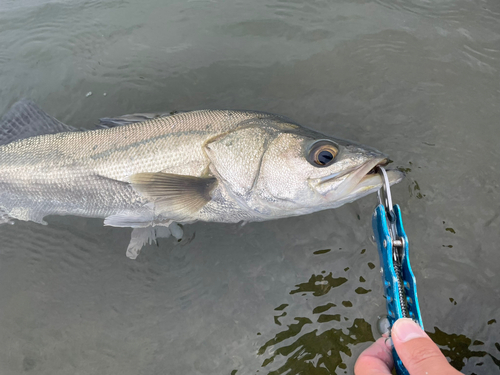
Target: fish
155,172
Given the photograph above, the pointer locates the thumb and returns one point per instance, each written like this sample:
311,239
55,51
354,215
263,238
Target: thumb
417,351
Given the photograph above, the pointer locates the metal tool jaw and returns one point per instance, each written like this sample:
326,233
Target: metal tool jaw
399,282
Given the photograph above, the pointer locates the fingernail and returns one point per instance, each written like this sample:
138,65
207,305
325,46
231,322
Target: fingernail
389,343
406,329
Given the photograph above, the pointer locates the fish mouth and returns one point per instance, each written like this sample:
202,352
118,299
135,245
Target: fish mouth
363,181
368,180
374,170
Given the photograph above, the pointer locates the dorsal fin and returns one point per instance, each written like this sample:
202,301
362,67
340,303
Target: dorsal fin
111,122
25,119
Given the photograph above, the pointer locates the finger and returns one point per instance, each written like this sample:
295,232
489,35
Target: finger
375,360
417,351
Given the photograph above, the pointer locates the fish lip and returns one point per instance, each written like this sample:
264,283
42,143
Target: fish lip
353,181
395,176
382,163
356,183
368,168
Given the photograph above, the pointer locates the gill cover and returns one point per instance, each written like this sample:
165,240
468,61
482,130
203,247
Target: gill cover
236,157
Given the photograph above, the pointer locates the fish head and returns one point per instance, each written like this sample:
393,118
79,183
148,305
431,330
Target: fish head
313,172
288,170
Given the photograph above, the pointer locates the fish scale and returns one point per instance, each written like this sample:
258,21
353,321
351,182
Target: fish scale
148,170
33,167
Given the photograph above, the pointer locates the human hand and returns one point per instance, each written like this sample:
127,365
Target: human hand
417,351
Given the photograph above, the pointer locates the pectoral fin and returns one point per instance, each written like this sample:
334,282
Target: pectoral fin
175,196
148,235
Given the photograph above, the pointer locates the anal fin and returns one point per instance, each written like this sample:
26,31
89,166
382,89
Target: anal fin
149,234
5,219
26,214
139,238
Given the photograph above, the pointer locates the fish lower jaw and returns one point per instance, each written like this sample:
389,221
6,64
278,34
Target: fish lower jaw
372,182
349,182
362,182
368,184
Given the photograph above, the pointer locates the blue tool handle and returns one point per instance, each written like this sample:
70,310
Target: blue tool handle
399,282
410,282
398,364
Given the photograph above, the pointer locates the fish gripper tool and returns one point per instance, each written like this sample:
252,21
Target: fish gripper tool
400,285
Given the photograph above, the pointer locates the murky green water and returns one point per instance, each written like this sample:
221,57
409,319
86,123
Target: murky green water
416,79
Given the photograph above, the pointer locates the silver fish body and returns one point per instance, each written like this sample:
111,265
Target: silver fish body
146,171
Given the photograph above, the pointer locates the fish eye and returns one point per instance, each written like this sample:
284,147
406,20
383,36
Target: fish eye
322,154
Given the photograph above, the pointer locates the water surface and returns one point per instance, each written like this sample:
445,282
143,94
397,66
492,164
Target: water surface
415,79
